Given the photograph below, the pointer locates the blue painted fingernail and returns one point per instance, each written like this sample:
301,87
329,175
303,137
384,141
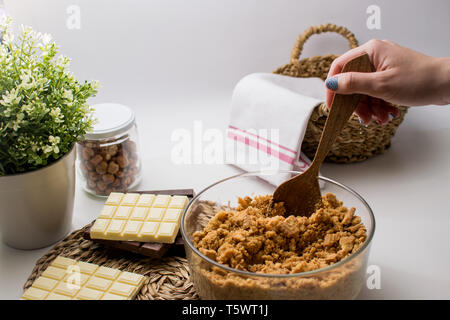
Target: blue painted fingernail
362,122
332,83
391,116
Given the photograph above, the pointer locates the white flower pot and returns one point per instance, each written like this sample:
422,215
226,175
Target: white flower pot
36,207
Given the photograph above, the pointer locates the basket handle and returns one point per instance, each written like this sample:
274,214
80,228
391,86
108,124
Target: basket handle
299,43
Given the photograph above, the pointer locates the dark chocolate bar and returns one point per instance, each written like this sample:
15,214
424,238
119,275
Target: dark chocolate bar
154,250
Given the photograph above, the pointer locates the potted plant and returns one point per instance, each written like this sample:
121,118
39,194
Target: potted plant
43,113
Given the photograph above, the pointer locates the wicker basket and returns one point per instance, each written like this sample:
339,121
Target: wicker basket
356,142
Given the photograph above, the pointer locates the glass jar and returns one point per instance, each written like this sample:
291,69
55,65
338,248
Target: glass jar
108,157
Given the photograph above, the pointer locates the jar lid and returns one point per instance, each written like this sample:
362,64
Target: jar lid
111,119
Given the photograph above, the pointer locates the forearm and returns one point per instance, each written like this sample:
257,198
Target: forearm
442,91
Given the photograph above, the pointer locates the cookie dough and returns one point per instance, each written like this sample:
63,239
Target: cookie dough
262,238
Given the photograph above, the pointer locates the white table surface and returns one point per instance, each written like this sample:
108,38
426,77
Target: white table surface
408,189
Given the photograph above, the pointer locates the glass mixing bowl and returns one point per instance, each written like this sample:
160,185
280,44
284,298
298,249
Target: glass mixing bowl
342,280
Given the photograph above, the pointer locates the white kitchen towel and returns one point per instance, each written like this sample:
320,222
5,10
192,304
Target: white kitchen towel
269,116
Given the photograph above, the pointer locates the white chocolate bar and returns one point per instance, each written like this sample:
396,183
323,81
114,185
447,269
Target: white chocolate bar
68,279
139,217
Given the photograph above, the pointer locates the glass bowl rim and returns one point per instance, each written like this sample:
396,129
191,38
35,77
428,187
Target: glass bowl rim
361,249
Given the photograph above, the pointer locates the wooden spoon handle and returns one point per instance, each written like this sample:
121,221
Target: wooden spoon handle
342,107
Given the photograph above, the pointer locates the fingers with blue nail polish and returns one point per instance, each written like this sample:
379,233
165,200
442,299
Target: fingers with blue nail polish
332,83
360,121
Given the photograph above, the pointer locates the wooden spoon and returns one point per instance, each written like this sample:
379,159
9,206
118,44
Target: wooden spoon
301,194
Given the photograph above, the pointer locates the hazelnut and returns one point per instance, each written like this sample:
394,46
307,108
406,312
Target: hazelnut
93,176
108,178
87,153
112,150
90,166
126,182
96,159
84,170
133,162
101,185
113,167
133,171
101,167
122,161
133,156
91,184
120,174
130,146
89,144
116,183
108,190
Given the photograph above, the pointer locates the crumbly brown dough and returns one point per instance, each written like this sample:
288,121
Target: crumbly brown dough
259,238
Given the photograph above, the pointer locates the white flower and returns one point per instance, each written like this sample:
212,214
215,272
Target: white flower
54,140
3,52
25,29
57,115
46,38
26,108
27,80
95,84
37,36
20,116
47,149
15,125
55,112
8,38
68,95
5,21
62,61
10,97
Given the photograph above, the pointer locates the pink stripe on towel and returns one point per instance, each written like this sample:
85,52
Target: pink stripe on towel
255,135
261,147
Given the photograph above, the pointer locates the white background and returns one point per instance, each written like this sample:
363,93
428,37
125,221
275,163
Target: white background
177,61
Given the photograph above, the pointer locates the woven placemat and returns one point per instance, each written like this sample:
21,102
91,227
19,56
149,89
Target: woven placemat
168,279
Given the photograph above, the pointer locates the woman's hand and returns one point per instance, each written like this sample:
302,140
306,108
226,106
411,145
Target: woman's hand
402,76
